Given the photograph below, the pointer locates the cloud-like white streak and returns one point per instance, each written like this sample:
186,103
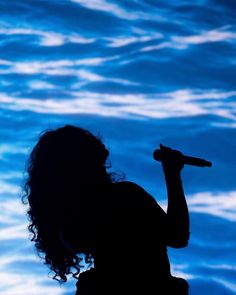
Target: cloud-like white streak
222,205
47,38
61,68
12,207
182,271
163,45
9,259
216,35
14,283
13,233
10,175
91,77
183,42
228,285
127,40
39,85
57,67
13,227
116,10
86,75
163,105
12,211
7,188
11,149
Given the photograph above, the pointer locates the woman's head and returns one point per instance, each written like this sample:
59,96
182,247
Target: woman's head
65,169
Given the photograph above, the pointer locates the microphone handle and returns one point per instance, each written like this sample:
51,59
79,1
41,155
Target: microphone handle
158,155
196,162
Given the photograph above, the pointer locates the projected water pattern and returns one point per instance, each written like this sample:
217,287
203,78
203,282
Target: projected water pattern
138,73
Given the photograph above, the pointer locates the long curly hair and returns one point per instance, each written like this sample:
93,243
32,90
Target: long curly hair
64,170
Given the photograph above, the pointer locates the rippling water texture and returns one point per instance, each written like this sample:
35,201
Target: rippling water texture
139,73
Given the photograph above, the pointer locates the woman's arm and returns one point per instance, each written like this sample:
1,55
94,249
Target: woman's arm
177,212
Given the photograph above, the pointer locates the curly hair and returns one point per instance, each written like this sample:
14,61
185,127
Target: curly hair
66,166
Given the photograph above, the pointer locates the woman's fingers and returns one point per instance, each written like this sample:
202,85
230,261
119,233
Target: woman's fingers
172,159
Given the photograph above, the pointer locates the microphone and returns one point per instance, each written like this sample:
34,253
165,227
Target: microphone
159,155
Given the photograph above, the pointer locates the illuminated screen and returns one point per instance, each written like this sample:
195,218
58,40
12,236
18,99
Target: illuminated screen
136,73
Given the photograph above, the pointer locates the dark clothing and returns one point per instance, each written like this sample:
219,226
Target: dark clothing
130,248
87,285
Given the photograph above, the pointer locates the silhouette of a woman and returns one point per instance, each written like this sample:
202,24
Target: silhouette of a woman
76,207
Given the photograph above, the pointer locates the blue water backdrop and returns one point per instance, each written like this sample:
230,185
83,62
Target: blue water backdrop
138,73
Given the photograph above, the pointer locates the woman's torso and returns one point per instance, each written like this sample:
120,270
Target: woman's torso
130,238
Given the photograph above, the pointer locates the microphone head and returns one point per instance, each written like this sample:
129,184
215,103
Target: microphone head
208,163
157,155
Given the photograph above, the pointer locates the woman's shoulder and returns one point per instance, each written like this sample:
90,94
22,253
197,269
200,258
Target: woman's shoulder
129,186
132,193
126,184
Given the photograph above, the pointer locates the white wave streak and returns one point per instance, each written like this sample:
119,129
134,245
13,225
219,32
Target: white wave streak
10,175
164,105
13,233
182,271
57,67
39,85
222,205
215,35
12,216
127,40
8,188
24,281
229,285
61,68
182,42
28,282
13,283
221,266
6,260
91,77
6,149
47,38
118,11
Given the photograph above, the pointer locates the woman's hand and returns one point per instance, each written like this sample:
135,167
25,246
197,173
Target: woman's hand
172,161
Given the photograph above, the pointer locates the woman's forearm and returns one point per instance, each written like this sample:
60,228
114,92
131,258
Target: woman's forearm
177,211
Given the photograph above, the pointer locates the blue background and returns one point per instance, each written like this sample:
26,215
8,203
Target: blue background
138,73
